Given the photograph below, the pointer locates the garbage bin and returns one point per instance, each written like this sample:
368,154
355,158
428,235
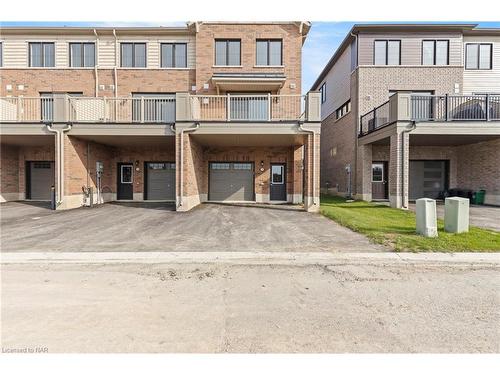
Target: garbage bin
478,197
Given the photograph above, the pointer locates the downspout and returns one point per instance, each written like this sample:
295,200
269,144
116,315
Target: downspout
60,165
58,169
403,133
116,63
96,65
181,167
313,162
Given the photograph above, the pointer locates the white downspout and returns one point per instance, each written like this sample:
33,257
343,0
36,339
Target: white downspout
116,63
58,169
61,147
96,65
181,167
313,162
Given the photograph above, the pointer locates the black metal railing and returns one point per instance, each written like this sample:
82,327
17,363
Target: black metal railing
455,107
375,119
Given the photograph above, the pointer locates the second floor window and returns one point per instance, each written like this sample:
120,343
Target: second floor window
173,55
478,56
322,91
435,52
227,52
269,52
41,54
82,55
133,55
387,52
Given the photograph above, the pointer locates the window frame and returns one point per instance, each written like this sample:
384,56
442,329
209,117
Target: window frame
382,169
122,167
434,54
42,54
133,55
226,41
83,55
386,41
268,51
322,90
281,174
1,54
478,55
174,45
344,110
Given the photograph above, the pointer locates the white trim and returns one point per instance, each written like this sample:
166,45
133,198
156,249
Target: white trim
131,176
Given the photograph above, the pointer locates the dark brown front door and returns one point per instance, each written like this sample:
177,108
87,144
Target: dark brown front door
379,180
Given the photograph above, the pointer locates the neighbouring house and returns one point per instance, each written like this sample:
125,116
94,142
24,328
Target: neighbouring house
208,112
411,111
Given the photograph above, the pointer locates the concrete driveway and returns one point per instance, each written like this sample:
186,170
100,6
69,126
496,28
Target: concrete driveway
156,227
487,217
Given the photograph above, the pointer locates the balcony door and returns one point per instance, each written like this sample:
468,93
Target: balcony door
250,106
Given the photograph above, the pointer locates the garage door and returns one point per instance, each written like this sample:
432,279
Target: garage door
427,178
41,179
231,182
160,181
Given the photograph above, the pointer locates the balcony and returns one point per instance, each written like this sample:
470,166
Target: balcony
431,108
166,109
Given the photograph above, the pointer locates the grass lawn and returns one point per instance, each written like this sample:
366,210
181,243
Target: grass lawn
396,228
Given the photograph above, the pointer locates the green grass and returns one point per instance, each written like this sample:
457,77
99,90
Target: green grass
396,228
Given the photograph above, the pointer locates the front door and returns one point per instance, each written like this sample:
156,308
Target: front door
125,181
278,182
379,180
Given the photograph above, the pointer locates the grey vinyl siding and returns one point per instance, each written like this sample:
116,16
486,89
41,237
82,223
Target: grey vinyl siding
411,46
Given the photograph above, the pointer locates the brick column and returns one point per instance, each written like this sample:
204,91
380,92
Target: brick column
297,168
364,173
397,160
312,181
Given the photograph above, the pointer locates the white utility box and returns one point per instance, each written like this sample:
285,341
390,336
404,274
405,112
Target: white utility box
426,217
456,215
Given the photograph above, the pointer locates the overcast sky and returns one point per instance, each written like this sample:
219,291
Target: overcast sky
321,43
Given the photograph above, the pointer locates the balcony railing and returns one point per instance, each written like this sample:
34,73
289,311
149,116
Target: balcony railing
159,110
248,107
437,108
455,107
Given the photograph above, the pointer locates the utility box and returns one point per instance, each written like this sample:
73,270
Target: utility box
456,215
426,217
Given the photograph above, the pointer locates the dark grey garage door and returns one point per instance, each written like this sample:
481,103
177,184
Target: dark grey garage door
41,179
231,182
160,181
427,178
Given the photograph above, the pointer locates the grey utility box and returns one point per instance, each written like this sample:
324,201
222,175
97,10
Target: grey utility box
426,217
456,215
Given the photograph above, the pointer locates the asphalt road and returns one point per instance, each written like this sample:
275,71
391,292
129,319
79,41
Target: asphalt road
348,306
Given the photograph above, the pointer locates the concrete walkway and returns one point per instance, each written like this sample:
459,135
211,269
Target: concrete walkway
267,258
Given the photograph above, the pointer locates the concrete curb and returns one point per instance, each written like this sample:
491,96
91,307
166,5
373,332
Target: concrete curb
260,258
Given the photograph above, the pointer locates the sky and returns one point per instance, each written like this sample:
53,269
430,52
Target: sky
322,41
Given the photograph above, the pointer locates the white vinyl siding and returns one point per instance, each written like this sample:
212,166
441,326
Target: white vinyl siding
484,80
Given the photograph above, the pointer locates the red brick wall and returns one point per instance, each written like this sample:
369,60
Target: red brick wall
205,51
9,169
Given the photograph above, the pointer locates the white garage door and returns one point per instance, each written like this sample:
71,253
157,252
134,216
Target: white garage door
231,182
160,181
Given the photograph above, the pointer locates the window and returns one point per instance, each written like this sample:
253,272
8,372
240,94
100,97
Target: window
322,90
377,172
387,52
435,52
343,110
269,52
220,165
41,54
277,174
227,52
82,55
478,56
126,172
173,55
242,166
133,55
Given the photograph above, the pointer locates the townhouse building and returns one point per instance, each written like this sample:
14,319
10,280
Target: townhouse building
411,111
212,111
